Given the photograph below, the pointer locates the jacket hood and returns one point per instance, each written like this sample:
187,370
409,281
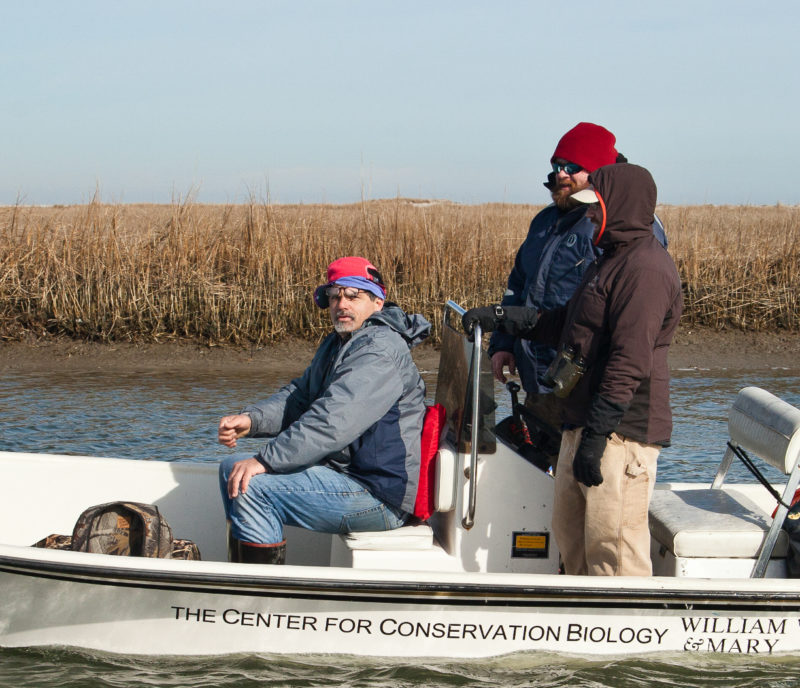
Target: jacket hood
629,195
413,328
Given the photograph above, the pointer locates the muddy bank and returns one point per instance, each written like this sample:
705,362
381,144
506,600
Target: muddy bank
692,348
735,350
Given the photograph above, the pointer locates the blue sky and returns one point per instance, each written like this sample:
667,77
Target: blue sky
331,101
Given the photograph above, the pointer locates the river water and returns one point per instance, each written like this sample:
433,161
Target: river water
173,416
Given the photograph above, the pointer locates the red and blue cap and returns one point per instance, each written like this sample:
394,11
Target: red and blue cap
351,271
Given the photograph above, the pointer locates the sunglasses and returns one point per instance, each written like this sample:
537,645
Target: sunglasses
346,293
569,168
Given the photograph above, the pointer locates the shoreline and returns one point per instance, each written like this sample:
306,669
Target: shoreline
692,348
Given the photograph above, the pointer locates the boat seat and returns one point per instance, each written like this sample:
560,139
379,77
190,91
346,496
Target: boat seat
409,548
411,545
418,536
712,523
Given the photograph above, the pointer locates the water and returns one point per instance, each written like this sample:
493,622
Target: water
700,404
173,417
40,668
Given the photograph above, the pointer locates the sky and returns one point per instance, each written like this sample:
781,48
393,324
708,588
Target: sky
334,101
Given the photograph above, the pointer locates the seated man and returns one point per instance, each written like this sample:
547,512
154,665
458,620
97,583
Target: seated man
344,447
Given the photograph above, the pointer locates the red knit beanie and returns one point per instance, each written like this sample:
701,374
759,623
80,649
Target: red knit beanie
588,145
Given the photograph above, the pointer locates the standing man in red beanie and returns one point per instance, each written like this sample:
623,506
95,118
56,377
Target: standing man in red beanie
342,447
548,268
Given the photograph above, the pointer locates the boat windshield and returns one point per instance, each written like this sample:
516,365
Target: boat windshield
454,385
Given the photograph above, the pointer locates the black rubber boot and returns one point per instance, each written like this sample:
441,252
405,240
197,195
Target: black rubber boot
233,545
250,553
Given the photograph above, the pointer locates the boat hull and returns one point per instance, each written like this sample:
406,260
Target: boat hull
199,608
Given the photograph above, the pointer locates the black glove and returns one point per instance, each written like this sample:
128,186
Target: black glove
586,464
603,418
517,321
485,316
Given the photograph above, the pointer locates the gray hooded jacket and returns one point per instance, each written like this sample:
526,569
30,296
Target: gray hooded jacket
357,408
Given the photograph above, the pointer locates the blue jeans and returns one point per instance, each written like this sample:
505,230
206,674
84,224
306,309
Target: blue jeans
317,498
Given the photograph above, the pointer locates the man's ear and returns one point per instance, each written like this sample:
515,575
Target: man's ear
378,304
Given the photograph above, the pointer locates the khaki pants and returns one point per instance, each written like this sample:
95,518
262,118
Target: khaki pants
603,530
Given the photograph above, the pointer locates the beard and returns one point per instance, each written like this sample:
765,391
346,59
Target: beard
561,195
343,327
565,186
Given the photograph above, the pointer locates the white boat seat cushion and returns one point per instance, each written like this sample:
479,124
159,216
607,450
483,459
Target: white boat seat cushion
710,523
415,537
418,535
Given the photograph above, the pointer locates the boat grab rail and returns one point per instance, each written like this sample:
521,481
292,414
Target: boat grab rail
471,470
472,475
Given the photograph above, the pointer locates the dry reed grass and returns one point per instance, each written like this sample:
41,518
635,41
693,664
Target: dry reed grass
739,265
243,274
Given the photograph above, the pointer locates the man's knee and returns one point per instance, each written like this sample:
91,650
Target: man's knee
226,465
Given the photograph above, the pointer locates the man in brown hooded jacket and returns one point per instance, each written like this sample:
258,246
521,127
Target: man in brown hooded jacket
619,324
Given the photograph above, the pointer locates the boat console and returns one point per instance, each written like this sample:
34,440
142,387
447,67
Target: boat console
493,508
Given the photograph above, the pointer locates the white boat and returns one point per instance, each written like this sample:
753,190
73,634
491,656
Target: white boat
479,579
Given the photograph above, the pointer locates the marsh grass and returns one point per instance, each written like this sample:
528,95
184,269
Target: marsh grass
739,265
243,274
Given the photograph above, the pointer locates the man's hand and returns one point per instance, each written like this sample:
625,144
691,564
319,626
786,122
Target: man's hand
586,464
232,428
241,474
501,360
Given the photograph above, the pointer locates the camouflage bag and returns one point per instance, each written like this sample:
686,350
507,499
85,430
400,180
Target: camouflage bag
128,529
123,528
185,549
54,541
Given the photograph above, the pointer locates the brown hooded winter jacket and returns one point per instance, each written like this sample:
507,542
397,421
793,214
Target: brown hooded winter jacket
622,317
